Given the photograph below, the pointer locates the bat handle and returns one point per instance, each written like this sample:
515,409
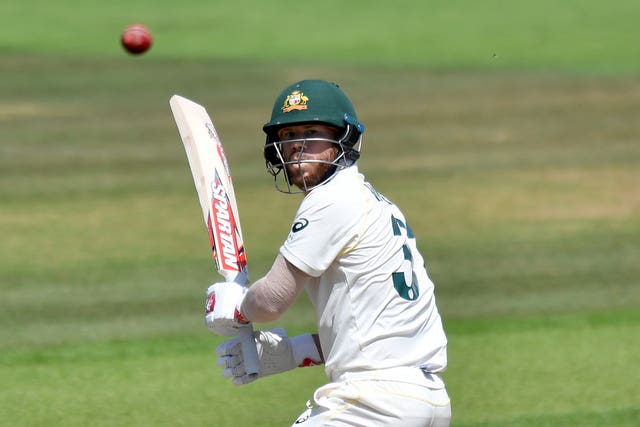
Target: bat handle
249,351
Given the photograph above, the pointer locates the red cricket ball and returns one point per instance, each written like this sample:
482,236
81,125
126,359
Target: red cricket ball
136,39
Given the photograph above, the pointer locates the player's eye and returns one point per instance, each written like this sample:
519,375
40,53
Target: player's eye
285,135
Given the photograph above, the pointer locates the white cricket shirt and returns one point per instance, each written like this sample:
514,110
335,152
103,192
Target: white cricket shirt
374,301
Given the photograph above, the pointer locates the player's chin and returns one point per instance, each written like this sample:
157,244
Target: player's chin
301,178
299,181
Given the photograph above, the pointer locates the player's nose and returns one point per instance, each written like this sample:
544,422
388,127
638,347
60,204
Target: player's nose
296,145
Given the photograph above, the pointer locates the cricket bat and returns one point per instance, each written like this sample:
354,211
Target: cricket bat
213,183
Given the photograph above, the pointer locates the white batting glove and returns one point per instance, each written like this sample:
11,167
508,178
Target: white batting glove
222,308
276,352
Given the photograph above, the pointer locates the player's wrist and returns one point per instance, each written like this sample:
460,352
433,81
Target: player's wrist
305,351
239,316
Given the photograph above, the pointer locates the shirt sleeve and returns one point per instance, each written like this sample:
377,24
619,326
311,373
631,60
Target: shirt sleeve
325,226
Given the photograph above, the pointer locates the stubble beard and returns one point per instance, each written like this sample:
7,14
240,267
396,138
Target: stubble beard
306,175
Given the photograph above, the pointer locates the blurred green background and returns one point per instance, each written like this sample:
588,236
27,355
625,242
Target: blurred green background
508,132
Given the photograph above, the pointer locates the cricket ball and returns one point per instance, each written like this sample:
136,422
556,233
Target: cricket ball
136,39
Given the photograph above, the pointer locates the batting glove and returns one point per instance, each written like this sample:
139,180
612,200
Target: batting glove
222,313
276,352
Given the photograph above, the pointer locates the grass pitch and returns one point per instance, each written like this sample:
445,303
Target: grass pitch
521,186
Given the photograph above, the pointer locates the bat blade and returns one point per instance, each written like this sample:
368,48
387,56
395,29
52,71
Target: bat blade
212,179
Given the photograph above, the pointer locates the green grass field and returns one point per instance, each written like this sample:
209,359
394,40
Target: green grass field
508,133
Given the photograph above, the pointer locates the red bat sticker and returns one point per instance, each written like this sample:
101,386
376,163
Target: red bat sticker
223,231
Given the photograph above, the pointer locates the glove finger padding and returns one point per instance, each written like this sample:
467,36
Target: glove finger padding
235,372
230,358
230,361
275,355
230,348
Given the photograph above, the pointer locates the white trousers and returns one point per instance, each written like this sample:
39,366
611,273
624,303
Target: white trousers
394,397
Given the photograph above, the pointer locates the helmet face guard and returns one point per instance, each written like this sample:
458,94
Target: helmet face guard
282,169
308,102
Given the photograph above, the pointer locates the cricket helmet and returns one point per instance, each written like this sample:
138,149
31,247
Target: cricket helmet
313,101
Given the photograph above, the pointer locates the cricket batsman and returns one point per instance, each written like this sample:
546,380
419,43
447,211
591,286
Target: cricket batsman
379,333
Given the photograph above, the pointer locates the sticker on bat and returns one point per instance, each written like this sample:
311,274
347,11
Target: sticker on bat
223,230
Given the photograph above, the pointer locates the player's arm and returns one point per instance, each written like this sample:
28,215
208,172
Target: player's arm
269,297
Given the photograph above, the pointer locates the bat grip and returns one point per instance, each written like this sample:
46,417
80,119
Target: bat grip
249,351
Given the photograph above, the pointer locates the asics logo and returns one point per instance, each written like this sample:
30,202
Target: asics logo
299,225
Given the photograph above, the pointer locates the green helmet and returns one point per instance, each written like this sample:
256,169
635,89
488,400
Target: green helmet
309,101
312,101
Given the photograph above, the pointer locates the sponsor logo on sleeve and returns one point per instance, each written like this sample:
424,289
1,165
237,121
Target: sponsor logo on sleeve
299,225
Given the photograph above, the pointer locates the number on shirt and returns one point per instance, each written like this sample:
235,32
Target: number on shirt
405,290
